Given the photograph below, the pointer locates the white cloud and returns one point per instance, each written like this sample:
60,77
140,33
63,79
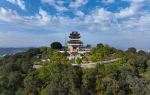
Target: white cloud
8,15
20,3
108,1
79,13
43,17
99,16
133,10
48,1
135,1
125,28
57,4
127,12
62,6
78,3
40,19
98,20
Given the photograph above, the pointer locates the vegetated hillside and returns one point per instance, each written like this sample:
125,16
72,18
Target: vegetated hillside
129,76
8,51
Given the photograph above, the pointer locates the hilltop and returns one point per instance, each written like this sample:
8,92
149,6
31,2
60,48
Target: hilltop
57,76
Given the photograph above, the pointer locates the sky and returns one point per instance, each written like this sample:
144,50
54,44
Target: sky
34,23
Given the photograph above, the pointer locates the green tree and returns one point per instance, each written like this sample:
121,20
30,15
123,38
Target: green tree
56,45
89,81
3,83
141,52
67,82
79,60
131,50
15,79
25,67
100,45
32,84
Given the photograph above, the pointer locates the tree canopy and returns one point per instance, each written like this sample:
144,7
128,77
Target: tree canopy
58,77
56,45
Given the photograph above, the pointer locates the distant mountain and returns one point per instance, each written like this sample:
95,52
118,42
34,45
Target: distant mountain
9,51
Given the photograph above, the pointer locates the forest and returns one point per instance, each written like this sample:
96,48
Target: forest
128,76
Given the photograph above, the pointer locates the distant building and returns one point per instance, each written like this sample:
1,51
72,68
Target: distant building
74,45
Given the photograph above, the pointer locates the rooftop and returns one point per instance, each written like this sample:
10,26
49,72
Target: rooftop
74,35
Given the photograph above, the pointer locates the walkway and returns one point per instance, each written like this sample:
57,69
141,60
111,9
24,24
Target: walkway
93,65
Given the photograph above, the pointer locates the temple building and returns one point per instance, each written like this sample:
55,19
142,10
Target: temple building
74,44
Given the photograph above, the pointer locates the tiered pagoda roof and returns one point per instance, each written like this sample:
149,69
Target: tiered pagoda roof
74,35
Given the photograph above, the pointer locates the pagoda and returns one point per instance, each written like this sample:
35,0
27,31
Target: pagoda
74,44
